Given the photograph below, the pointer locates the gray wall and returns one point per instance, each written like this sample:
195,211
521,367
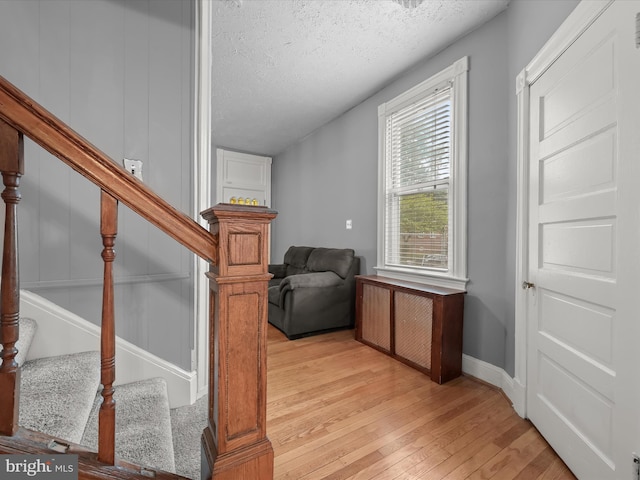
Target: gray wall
331,175
121,74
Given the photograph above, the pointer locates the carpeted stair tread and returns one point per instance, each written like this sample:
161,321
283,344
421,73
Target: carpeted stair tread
143,425
28,329
57,393
187,424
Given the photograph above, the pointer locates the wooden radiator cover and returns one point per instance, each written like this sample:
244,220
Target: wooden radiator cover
418,324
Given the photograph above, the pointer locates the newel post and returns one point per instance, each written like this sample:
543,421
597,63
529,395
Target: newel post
235,444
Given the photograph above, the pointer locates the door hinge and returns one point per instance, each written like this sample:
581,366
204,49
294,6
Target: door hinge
636,467
638,30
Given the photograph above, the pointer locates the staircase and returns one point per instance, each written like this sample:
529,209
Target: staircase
68,404
60,396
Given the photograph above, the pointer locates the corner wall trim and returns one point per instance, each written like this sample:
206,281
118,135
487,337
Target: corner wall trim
202,181
497,377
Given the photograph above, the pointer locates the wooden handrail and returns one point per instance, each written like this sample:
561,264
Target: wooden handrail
28,117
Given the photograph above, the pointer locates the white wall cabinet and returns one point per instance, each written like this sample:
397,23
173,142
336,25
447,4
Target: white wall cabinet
243,178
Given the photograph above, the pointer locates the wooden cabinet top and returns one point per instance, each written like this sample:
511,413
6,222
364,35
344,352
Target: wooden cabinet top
403,284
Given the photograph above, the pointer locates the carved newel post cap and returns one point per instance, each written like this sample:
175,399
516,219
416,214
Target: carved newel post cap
242,233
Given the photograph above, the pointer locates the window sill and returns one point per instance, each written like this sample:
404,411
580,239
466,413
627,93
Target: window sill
427,278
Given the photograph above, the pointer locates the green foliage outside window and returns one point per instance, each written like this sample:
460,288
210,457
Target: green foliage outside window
424,225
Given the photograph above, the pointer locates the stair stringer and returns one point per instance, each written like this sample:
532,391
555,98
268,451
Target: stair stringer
62,332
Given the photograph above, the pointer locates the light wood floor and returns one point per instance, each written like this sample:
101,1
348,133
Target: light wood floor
340,410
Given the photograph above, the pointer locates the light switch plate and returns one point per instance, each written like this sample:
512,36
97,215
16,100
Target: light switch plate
134,167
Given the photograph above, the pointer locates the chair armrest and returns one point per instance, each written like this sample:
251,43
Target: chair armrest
279,270
308,281
311,280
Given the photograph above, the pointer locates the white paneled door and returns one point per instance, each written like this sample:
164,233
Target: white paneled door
582,367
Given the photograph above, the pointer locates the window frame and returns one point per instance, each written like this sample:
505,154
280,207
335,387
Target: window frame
456,274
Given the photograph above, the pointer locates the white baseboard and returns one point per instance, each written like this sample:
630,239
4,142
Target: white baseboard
61,332
497,377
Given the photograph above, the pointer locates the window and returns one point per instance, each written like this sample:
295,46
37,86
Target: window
422,169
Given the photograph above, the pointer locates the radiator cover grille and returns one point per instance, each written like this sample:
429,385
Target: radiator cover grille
376,309
414,321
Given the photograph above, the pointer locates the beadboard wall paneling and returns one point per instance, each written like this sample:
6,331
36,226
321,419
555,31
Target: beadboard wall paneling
121,74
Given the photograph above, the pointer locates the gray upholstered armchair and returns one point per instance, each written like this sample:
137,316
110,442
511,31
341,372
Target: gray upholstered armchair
313,291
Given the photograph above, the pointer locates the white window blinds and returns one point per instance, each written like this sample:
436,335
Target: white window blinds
418,148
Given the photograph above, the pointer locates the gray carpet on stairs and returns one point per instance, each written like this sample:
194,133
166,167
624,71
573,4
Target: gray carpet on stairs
58,397
56,394
143,425
187,424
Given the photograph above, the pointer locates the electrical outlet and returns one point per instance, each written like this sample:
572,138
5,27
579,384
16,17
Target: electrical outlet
349,224
134,167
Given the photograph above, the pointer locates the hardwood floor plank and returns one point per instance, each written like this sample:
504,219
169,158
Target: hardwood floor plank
387,463
350,420
373,426
557,471
507,438
337,409
474,454
471,465
355,431
479,428
510,460
417,434
537,466
347,469
422,460
395,451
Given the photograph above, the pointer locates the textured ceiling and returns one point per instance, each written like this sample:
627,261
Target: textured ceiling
282,68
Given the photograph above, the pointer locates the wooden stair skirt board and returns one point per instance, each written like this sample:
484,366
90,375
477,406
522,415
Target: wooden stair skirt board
28,442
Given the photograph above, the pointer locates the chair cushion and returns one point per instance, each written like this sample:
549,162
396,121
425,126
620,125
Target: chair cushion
336,260
296,260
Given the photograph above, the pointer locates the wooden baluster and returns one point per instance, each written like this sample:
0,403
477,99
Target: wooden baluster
107,415
12,168
235,443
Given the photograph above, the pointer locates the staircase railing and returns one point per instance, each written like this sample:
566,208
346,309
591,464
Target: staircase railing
234,444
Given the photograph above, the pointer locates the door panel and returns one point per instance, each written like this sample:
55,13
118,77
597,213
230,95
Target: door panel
590,419
580,390
580,170
579,324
